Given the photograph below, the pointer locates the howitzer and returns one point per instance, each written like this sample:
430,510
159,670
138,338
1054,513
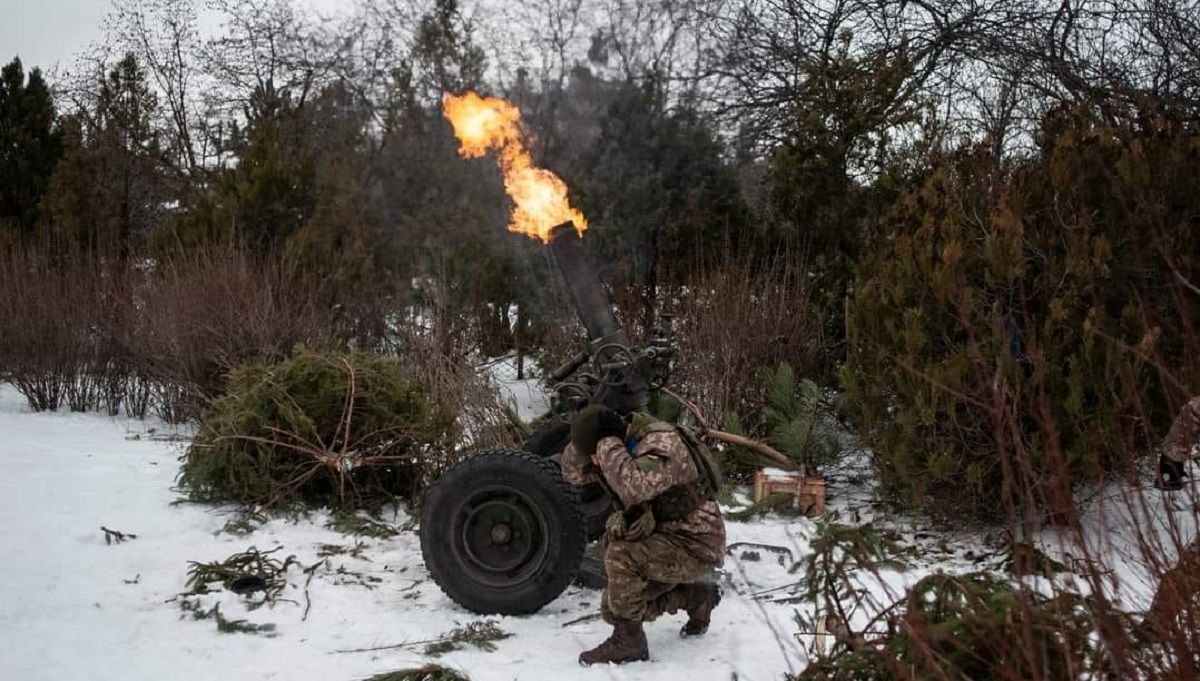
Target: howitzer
502,532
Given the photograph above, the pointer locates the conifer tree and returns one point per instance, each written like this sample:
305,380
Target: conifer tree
110,191
30,146
265,197
657,186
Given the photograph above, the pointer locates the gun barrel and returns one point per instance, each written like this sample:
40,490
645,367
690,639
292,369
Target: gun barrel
583,282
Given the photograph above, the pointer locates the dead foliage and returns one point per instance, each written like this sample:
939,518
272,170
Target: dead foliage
359,525
452,377
116,536
481,635
224,624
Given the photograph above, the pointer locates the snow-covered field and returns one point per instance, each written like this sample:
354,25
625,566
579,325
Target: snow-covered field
73,606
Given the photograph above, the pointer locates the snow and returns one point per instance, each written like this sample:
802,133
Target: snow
527,395
780,474
1116,520
72,606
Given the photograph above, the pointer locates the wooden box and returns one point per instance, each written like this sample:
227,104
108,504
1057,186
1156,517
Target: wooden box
807,491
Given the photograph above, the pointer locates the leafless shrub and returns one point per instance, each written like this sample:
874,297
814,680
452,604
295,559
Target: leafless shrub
54,346
89,332
454,380
192,319
734,321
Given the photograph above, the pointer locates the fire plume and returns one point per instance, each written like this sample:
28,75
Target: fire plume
539,197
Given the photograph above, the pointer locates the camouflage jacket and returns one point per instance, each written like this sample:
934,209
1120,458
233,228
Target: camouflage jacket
1184,435
659,462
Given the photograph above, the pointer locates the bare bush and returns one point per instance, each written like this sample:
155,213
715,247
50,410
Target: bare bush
734,321
457,384
54,345
89,332
193,319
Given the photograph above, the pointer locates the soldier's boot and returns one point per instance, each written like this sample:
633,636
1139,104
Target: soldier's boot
627,644
1170,475
701,600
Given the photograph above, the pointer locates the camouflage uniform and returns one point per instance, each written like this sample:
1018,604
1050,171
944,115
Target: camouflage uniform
1184,434
647,564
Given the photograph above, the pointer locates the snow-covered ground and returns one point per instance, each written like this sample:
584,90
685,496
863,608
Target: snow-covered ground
73,606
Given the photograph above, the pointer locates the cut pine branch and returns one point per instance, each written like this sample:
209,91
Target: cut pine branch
763,449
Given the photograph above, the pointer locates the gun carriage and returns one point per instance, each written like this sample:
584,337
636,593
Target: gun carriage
502,532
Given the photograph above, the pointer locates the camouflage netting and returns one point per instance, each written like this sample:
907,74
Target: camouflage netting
347,431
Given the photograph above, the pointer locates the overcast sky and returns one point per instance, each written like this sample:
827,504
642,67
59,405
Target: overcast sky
42,32
48,32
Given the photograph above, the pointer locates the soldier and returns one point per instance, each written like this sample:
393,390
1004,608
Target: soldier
1179,446
667,536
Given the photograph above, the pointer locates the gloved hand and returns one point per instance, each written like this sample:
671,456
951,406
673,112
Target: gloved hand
1170,474
592,424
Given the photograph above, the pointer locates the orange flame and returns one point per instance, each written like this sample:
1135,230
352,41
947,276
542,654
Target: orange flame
539,197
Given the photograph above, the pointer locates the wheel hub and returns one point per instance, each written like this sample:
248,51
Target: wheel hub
501,536
501,533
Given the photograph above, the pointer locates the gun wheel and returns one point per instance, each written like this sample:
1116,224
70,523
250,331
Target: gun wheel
502,533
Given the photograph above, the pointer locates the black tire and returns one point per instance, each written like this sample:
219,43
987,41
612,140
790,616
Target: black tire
502,533
549,442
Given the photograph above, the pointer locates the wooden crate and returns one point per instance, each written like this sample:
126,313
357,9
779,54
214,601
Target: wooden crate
807,490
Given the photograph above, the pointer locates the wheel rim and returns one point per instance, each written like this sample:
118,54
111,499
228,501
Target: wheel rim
499,536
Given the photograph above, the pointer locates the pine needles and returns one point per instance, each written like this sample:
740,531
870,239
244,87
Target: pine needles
430,672
246,572
971,626
347,431
358,525
224,624
481,635
796,421
793,420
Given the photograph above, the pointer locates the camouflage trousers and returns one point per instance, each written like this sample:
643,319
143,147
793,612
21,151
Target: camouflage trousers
645,577
1184,434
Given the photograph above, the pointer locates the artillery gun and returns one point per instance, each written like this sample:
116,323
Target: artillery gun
502,532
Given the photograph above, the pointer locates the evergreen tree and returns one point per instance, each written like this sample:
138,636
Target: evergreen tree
658,189
450,61
1021,330
30,146
265,197
109,190
833,173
